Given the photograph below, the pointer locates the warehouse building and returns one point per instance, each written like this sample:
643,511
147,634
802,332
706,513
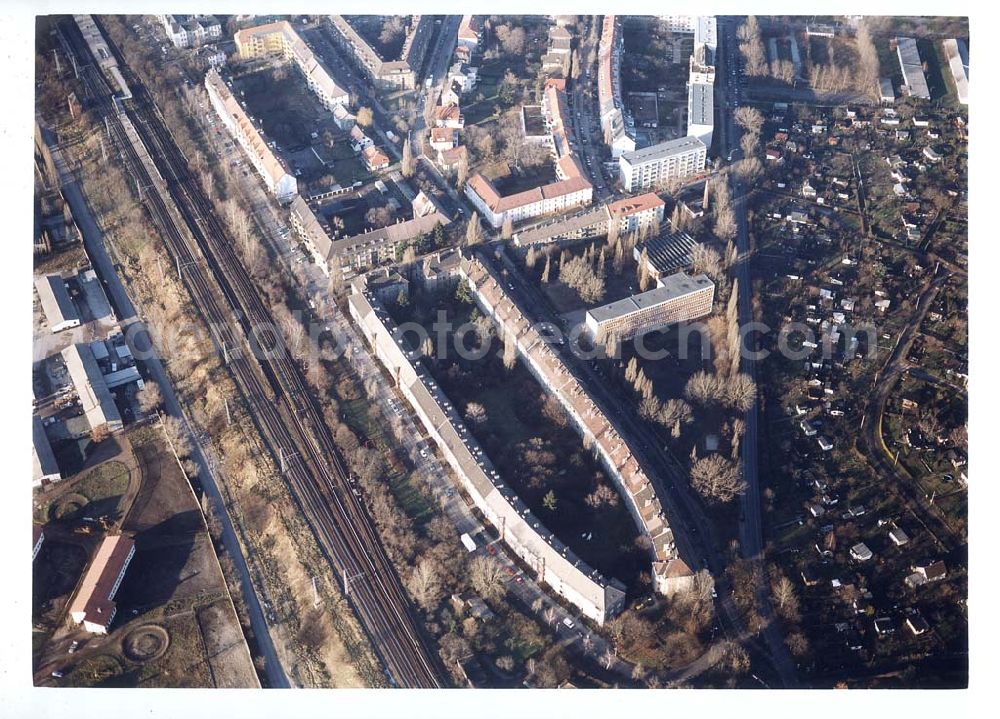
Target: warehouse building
912,68
651,166
677,298
667,254
60,313
957,53
88,380
44,468
94,606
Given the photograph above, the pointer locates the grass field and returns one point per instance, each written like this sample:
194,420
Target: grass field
95,494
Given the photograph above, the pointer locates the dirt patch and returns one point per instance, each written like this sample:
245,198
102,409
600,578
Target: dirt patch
224,646
145,644
333,652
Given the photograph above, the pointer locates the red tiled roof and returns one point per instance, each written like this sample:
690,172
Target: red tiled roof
94,598
632,205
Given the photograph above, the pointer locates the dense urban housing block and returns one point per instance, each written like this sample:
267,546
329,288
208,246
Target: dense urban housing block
269,165
597,430
387,73
568,576
280,39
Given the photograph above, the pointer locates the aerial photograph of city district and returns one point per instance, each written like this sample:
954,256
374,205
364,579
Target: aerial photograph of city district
499,351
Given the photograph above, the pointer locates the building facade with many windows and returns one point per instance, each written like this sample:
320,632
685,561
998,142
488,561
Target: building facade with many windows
651,166
676,298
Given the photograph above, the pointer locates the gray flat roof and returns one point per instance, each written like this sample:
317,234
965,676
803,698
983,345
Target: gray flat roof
913,72
665,149
701,104
95,397
670,288
56,302
44,464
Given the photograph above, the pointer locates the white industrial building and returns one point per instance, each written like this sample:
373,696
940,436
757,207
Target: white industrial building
95,398
60,313
957,54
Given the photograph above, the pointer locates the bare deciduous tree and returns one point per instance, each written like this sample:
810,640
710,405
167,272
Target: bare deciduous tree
475,413
716,479
487,577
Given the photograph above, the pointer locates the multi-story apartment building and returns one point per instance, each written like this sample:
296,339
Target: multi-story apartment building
677,298
571,190
401,73
598,597
94,606
701,112
269,166
619,130
350,254
280,38
670,572
651,166
190,30
633,213
638,213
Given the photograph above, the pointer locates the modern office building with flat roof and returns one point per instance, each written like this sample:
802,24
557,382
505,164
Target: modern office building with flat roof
676,298
650,166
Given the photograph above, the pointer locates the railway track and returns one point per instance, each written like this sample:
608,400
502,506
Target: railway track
277,398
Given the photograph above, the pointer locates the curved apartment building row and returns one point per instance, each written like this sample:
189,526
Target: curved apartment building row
671,574
597,597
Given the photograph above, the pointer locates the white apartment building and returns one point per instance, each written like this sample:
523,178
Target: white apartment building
190,30
279,181
677,298
596,596
701,112
650,166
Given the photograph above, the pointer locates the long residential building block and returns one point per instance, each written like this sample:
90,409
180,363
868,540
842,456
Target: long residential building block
597,597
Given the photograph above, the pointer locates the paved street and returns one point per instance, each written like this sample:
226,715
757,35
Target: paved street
751,534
